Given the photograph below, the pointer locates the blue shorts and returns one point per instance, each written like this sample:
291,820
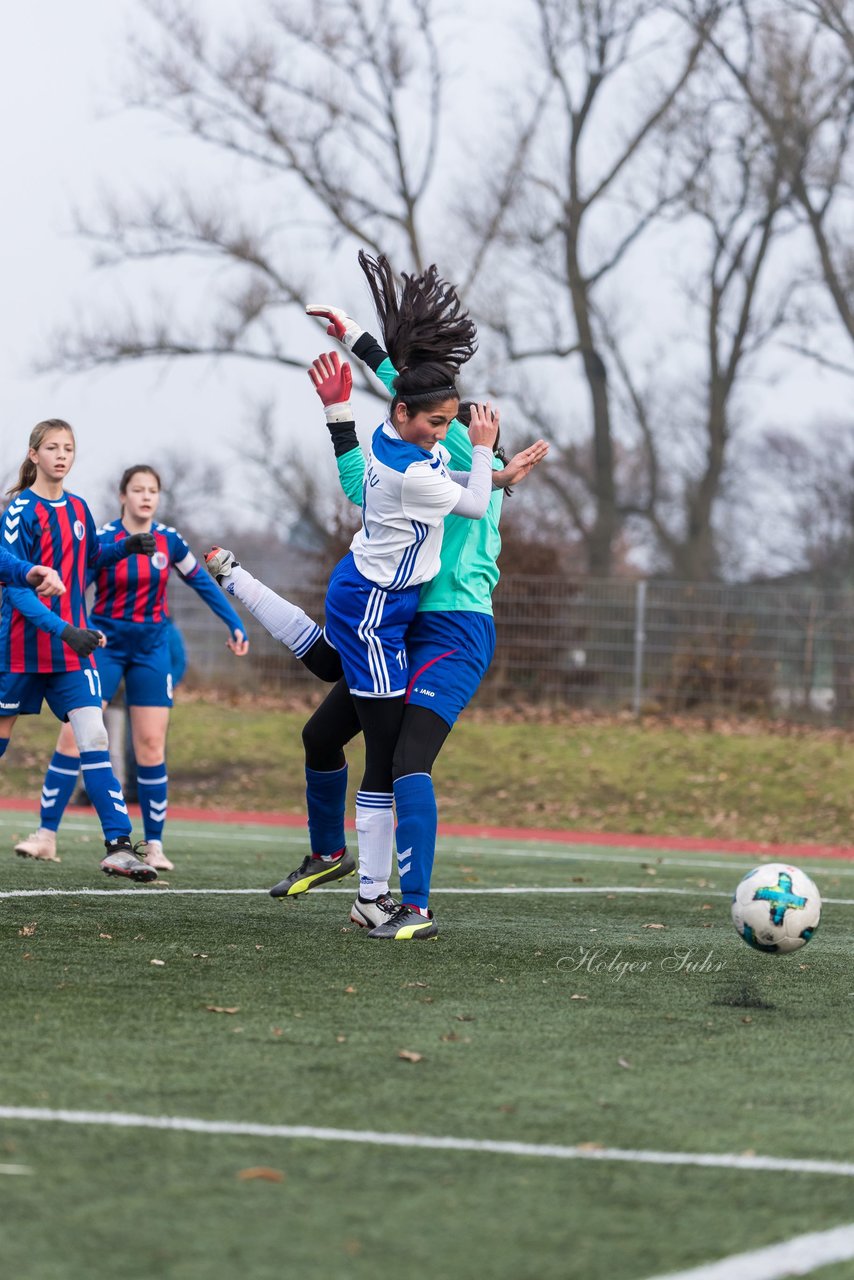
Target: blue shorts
449,654
22,692
367,625
139,654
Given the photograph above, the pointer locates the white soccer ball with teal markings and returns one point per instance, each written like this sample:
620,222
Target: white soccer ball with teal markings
776,908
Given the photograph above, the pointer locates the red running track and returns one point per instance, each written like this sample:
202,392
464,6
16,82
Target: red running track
541,835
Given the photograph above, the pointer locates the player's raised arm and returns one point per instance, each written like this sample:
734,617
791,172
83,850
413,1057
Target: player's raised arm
333,382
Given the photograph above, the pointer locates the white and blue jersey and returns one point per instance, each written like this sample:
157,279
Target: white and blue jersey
406,494
373,592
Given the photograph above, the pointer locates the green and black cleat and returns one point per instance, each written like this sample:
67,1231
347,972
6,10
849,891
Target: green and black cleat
406,924
313,872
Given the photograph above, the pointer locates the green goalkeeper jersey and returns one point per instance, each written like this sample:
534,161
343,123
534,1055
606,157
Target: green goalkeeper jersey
469,570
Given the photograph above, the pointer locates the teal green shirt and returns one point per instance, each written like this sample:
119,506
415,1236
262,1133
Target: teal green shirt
468,573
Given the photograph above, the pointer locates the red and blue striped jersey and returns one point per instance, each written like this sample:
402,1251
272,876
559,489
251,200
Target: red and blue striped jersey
62,535
135,589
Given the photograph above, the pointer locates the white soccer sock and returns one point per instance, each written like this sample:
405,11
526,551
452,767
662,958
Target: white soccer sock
375,832
285,621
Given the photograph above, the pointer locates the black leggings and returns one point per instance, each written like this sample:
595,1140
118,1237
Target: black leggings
399,738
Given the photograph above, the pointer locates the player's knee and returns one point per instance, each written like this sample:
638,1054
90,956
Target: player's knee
149,748
90,733
410,757
319,755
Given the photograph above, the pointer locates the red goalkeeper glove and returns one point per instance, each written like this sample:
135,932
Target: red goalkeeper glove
333,382
341,326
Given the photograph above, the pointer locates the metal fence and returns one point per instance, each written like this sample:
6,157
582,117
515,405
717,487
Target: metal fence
653,645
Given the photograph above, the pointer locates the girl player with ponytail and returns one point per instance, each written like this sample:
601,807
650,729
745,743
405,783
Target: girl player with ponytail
413,319
131,609
46,653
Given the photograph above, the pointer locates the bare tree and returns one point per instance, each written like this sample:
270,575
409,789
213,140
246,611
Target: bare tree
585,195
801,92
734,207
331,111
808,482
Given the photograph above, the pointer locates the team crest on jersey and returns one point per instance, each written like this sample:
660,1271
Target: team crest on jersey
79,529
159,560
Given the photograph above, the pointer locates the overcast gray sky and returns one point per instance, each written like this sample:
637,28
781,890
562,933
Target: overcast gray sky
60,64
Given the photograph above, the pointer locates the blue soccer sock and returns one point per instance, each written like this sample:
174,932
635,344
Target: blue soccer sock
4,742
326,801
417,819
153,783
59,783
105,792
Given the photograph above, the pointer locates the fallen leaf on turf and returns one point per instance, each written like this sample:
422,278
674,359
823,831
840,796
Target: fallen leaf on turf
747,1019
454,1035
351,991
465,1017
624,1062
341,1039
261,1173
409,1056
707,906
578,997
590,1146
28,930
258,946
415,984
653,926
160,962
220,1008
108,936
200,955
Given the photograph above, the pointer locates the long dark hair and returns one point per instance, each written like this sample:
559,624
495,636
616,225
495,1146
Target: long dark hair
425,331
28,471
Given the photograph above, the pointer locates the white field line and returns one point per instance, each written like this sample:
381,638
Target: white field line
369,1137
800,1256
152,891
14,1169
486,848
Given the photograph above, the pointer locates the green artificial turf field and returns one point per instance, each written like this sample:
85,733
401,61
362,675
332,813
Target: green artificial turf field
520,1024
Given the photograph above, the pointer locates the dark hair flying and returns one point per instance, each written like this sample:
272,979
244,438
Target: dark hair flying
425,331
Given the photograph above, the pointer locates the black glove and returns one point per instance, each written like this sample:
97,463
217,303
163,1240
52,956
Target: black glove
83,642
140,544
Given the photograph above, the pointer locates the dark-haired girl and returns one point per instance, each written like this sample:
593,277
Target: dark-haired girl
131,609
406,495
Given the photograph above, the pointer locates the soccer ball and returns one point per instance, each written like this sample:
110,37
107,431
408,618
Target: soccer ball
776,908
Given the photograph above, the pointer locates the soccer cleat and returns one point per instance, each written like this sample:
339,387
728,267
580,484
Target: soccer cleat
312,872
121,860
406,923
41,845
220,562
367,913
155,857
